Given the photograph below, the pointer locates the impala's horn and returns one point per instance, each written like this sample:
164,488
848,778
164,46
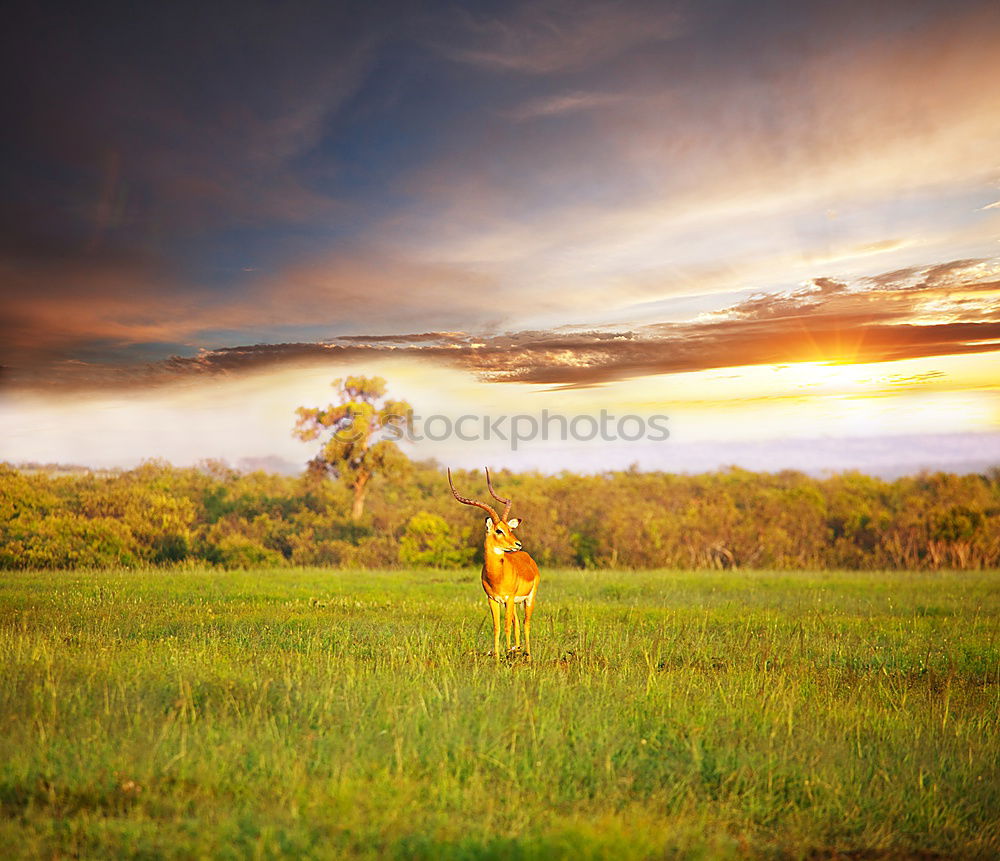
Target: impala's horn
497,497
468,501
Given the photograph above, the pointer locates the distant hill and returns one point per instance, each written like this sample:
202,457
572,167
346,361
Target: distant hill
269,463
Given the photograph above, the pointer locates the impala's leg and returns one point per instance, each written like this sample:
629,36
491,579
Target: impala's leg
509,620
529,608
517,629
495,610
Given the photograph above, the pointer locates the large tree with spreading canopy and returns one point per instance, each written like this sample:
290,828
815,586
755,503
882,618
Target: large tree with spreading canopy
354,433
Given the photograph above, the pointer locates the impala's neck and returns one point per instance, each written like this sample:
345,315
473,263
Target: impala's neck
493,556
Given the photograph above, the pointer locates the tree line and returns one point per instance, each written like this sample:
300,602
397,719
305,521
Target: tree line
161,515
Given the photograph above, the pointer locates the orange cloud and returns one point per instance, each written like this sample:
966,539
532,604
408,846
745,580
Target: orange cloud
885,319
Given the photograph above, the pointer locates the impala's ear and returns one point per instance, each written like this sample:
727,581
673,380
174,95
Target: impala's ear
514,522
489,524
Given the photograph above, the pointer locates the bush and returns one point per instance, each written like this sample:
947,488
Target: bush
429,541
733,518
66,541
238,551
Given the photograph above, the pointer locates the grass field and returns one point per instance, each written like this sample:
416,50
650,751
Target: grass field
312,713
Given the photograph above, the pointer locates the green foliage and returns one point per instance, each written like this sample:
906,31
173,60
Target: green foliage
353,431
238,551
67,541
318,714
157,515
429,541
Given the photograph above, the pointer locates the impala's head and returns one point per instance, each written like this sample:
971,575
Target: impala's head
500,537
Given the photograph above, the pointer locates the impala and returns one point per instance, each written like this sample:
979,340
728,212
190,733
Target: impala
510,576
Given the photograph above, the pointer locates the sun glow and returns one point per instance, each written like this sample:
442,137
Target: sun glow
836,379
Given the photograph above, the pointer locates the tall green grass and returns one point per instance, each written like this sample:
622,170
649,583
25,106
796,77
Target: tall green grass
314,713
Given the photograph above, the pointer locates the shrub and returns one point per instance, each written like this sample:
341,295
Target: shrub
238,551
66,541
429,541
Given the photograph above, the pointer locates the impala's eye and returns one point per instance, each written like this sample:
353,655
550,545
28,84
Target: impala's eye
499,532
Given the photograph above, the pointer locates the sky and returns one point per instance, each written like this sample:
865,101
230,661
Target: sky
775,225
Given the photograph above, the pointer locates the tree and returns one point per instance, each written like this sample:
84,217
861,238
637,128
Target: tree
351,429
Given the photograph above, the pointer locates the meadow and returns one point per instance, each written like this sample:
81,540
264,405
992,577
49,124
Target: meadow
294,712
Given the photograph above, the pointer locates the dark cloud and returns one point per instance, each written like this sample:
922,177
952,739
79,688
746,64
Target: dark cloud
177,132
442,338
202,175
922,277
829,321
763,306
579,362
